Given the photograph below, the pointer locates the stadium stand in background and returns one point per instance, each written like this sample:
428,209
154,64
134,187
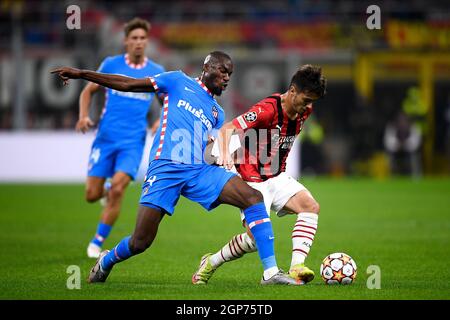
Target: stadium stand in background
370,72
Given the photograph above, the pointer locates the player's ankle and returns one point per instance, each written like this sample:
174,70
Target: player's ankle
270,272
216,261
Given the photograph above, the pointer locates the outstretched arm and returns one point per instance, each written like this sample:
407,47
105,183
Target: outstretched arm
120,83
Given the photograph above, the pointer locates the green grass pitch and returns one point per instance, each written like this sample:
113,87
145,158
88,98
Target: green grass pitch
402,226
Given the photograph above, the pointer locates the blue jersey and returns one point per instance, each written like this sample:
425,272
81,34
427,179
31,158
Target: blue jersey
190,114
124,117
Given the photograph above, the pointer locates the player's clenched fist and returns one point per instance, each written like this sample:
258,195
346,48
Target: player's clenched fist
84,124
66,73
226,161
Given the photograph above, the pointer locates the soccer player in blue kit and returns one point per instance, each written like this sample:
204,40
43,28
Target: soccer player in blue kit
118,146
177,166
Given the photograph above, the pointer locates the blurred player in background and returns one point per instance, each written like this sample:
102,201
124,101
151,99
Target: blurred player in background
281,116
177,165
117,149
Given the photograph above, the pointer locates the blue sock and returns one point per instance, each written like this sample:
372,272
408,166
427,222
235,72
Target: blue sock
103,231
259,223
119,253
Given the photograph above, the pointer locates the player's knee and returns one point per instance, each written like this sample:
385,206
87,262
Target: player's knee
117,191
254,197
313,206
93,194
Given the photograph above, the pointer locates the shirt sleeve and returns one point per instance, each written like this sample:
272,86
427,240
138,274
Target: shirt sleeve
259,116
164,82
162,69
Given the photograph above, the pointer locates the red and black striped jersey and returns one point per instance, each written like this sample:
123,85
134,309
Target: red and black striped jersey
267,138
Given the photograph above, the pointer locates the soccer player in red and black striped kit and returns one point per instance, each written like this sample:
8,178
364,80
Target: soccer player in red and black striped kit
276,121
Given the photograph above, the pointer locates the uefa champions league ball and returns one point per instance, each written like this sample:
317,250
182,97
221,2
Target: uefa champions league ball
338,268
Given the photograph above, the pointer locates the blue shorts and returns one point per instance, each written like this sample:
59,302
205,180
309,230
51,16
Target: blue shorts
165,181
107,158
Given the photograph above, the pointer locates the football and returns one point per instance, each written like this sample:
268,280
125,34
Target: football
338,268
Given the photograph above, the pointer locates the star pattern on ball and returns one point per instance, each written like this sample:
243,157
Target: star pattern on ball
327,262
338,275
345,259
333,267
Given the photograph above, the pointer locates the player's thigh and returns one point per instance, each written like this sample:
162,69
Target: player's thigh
206,185
302,201
290,196
238,193
128,159
162,186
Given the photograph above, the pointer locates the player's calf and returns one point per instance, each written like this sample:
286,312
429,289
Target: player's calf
238,246
303,235
304,230
146,229
238,193
116,192
302,239
139,245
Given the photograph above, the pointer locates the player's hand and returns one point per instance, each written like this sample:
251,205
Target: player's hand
66,73
84,124
227,162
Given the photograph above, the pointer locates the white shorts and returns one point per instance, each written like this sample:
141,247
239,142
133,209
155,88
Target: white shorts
276,192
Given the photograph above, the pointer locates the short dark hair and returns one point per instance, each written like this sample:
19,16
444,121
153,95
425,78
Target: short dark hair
216,56
136,23
309,79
